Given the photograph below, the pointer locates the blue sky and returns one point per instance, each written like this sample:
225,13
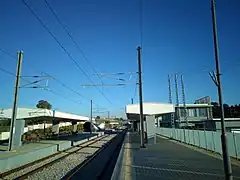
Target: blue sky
177,37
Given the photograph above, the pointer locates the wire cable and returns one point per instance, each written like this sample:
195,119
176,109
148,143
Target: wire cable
23,78
7,72
64,97
66,86
135,90
63,48
7,53
70,36
12,74
30,83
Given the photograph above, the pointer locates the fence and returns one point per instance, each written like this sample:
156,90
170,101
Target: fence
209,140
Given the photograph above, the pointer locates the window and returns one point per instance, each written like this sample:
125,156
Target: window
202,112
181,112
195,112
190,112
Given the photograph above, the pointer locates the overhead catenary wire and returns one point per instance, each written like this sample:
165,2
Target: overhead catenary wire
7,72
104,84
32,83
12,74
70,36
67,87
118,73
7,53
64,97
34,87
135,89
63,48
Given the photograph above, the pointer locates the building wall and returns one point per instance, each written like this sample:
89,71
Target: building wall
196,114
228,124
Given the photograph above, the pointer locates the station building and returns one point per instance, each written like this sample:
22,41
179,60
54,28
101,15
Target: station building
198,116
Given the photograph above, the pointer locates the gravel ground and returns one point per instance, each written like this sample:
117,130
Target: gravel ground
87,150
103,141
72,149
35,166
61,168
98,144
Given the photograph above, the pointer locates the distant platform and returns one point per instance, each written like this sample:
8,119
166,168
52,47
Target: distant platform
31,152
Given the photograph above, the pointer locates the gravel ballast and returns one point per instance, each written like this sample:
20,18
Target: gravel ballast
60,168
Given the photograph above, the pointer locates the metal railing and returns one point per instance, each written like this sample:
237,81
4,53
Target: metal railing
209,140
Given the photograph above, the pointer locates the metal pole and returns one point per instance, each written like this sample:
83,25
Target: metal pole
108,114
184,101
169,90
91,111
140,97
14,110
184,108
226,158
91,114
170,100
177,101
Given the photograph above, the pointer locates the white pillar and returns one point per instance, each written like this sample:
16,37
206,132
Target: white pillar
18,132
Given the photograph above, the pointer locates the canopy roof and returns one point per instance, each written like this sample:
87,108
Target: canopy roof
132,110
27,113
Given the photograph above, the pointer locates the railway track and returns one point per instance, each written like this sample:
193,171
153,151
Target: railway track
101,164
30,170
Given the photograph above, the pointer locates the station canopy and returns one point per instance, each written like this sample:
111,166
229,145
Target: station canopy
37,113
156,109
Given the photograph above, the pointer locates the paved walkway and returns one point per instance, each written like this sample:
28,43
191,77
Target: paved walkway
167,160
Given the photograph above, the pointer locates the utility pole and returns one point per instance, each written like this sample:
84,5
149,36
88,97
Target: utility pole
14,110
108,114
140,97
91,111
226,158
177,101
169,90
91,114
170,99
184,101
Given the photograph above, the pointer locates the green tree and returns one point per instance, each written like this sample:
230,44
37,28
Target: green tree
216,110
98,117
44,105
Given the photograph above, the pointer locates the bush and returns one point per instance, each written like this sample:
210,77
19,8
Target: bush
80,128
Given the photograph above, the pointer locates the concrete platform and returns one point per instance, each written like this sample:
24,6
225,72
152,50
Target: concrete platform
31,152
166,160
76,139
24,155
61,145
